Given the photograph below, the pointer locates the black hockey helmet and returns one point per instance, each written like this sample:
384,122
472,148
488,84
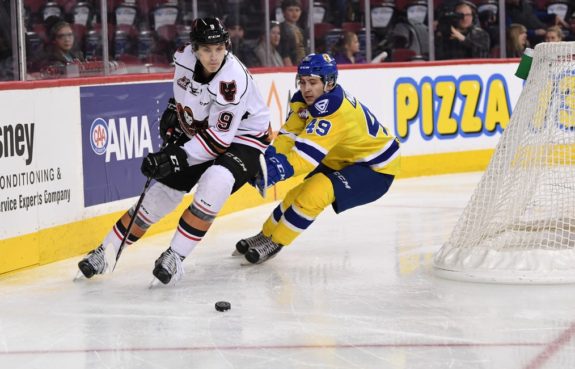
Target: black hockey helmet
208,30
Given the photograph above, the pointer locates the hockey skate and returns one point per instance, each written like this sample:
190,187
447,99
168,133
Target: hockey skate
263,251
245,244
94,263
168,266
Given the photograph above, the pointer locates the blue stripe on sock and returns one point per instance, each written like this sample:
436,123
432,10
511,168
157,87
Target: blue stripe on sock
277,213
297,221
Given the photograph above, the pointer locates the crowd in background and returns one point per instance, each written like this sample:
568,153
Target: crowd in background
64,37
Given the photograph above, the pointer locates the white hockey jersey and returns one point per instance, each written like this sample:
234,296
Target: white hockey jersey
231,103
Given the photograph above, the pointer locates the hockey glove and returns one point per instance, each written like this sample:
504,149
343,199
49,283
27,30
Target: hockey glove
171,159
169,121
278,169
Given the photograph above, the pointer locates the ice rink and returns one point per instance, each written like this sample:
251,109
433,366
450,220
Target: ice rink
355,291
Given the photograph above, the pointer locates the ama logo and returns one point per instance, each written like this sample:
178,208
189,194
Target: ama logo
123,138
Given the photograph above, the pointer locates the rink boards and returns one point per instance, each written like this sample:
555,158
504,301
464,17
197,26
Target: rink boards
70,150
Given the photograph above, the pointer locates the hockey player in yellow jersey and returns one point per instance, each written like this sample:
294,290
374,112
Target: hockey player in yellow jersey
349,157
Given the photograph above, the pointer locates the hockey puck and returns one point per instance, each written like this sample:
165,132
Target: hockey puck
223,306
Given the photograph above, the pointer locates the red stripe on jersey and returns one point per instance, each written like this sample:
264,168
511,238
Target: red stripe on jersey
255,142
204,145
216,138
189,236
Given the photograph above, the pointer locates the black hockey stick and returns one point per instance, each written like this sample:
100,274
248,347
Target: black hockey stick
171,138
136,209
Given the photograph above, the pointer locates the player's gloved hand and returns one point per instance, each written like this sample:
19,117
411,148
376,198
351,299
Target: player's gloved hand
171,159
169,122
278,169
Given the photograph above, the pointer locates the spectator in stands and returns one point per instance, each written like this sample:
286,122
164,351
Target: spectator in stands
293,43
346,50
516,40
61,51
554,34
521,11
489,22
275,59
240,47
461,38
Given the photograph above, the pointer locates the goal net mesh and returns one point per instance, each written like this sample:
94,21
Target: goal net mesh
519,225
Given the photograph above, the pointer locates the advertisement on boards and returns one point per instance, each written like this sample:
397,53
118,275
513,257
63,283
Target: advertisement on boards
439,109
120,126
40,177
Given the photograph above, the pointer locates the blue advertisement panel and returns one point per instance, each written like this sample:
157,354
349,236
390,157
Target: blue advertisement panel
120,126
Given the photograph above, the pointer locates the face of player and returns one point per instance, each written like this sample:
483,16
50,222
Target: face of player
311,88
211,56
64,39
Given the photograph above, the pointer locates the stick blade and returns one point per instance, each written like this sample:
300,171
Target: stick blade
264,176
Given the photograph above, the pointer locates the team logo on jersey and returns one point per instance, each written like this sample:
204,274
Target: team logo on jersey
228,90
321,105
99,136
302,113
183,82
188,123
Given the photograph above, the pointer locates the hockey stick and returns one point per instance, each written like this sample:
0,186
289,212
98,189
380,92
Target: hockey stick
264,177
171,138
136,209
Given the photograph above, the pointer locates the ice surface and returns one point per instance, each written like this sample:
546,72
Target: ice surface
355,291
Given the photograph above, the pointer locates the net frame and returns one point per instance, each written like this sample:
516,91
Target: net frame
519,225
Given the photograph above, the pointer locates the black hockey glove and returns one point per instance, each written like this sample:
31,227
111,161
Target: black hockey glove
171,159
169,122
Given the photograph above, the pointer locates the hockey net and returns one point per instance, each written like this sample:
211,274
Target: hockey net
519,225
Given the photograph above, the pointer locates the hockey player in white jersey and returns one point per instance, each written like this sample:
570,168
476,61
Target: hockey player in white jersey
225,126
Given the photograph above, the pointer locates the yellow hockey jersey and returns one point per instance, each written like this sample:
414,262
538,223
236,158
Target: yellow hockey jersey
338,131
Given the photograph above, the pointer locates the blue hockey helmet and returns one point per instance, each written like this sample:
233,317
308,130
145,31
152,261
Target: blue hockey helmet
318,65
